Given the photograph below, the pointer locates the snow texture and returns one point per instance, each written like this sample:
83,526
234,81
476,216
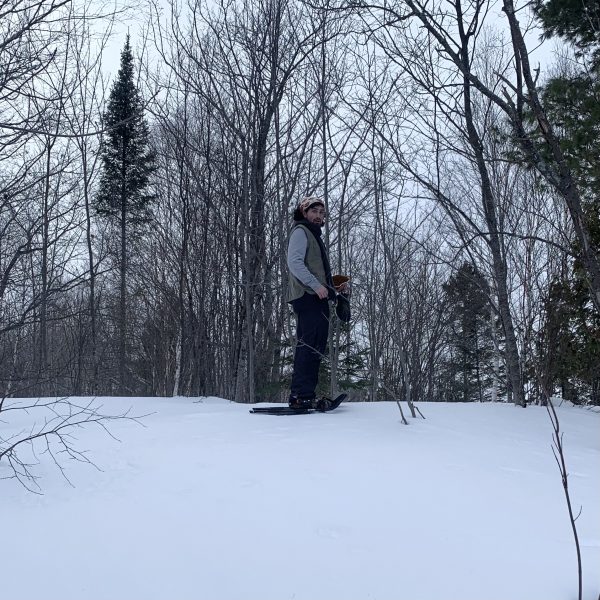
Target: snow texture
206,501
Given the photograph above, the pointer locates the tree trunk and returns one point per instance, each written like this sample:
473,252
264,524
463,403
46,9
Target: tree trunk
123,281
92,274
43,348
498,259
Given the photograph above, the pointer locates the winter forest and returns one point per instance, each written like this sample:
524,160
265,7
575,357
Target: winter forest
145,212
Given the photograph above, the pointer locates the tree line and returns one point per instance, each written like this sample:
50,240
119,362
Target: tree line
143,223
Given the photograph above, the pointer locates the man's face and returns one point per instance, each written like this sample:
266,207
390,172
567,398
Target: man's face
316,215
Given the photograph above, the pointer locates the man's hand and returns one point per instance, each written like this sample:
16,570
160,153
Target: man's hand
323,293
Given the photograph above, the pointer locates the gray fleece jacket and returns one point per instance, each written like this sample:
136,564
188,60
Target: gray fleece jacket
297,247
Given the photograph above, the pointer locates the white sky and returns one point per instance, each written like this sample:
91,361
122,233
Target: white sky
137,18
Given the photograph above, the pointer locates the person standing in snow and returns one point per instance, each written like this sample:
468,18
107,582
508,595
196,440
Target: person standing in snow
309,291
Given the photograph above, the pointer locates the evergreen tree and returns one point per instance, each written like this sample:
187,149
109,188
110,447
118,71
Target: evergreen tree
351,367
573,100
570,345
467,368
577,21
127,164
571,337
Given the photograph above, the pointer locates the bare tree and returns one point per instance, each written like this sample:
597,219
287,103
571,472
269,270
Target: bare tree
85,101
451,122
454,32
240,66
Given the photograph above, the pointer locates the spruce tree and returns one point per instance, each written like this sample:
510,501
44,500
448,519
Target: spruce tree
466,371
577,21
572,99
127,164
572,333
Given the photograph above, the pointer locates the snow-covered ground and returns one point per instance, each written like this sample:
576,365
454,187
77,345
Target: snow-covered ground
210,502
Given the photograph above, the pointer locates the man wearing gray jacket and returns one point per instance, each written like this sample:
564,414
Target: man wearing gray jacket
310,289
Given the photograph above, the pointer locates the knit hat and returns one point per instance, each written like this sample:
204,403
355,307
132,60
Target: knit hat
309,202
305,204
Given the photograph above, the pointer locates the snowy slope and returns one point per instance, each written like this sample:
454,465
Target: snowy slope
210,502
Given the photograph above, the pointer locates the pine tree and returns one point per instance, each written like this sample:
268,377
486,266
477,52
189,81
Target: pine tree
572,332
570,344
127,164
572,100
578,21
467,368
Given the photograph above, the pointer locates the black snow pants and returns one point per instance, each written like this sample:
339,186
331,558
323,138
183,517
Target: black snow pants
312,333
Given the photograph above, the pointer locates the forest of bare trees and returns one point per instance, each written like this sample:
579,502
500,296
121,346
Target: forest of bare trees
471,241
